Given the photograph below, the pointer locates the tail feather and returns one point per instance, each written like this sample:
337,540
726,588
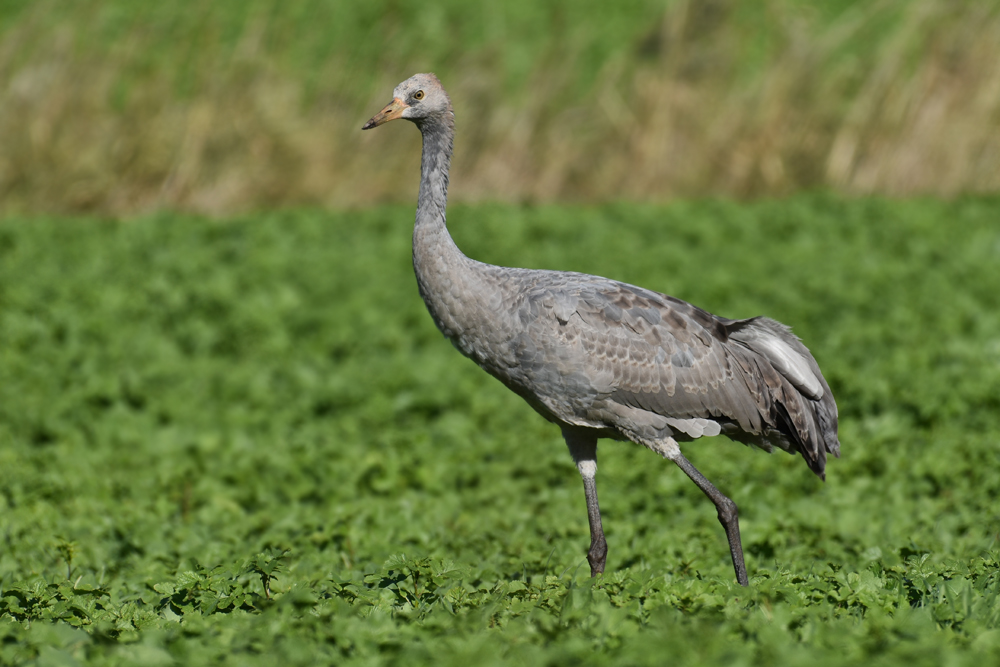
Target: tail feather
801,406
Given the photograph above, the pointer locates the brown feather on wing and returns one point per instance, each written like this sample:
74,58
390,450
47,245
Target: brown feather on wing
651,352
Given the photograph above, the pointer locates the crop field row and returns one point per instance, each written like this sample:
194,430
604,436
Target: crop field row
243,442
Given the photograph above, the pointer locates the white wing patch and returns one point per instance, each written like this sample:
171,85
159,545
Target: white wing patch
790,364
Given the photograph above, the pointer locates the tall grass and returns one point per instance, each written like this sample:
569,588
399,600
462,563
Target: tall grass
117,107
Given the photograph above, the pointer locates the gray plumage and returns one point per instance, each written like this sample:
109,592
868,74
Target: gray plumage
602,358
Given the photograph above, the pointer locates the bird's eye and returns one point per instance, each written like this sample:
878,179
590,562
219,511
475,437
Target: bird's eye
419,95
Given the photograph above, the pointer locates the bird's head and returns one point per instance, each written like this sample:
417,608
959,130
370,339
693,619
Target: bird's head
418,98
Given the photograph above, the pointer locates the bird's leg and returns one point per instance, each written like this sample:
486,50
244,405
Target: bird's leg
583,449
728,514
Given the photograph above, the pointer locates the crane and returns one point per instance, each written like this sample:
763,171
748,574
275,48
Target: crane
604,359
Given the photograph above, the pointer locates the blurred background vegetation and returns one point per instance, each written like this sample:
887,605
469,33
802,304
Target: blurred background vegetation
119,108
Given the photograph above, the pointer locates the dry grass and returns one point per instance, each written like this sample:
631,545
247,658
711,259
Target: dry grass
896,98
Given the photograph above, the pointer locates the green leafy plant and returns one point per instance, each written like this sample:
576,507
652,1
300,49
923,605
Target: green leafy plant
243,442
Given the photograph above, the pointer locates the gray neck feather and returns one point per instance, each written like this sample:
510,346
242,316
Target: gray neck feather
442,270
439,135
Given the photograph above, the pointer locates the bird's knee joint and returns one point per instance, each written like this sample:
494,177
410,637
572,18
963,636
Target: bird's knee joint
728,512
597,555
587,468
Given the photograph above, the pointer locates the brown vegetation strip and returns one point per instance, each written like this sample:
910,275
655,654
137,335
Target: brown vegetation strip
915,112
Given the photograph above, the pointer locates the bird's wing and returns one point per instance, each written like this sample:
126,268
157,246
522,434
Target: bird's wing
639,351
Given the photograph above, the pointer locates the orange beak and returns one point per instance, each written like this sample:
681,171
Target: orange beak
392,111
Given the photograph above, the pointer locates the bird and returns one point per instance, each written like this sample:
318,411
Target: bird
604,359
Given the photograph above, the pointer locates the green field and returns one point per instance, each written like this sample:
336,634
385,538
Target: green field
243,442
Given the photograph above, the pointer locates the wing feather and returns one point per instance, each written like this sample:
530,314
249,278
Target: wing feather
649,352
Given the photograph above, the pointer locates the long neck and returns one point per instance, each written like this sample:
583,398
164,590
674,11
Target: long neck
430,233
447,278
